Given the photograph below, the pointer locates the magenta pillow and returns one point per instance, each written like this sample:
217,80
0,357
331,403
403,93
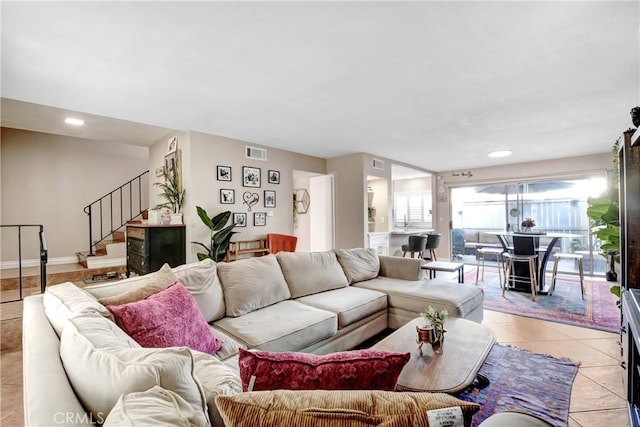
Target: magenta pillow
345,370
170,318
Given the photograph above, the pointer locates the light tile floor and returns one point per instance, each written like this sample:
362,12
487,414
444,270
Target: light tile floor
598,395
597,398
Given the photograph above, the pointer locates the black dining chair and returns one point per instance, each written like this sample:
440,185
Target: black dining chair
524,252
416,244
433,241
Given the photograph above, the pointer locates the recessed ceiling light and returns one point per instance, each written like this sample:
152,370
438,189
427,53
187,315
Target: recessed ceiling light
74,122
500,153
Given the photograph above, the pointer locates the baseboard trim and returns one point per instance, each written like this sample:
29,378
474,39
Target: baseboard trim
36,262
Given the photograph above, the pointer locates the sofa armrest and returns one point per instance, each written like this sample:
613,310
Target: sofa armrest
49,399
400,268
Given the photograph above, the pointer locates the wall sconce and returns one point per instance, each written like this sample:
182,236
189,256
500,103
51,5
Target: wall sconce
301,201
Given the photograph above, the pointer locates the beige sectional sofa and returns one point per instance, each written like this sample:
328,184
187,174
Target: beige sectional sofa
318,302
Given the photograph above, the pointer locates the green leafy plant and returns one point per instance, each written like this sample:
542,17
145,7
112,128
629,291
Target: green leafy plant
171,192
605,216
435,318
220,235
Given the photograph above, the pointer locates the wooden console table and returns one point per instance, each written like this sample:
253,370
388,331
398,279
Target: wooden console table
256,247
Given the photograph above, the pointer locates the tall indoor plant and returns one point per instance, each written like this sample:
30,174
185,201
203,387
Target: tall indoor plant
604,213
220,235
173,195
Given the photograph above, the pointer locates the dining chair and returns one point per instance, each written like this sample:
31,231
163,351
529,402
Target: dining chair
481,256
557,258
433,241
524,252
416,244
281,243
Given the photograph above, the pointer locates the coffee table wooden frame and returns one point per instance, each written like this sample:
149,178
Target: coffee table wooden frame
466,346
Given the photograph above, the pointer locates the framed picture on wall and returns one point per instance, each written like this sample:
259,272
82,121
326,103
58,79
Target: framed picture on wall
172,144
240,219
259,219
274,177
172,167
227,197
269,199
224,173
250,177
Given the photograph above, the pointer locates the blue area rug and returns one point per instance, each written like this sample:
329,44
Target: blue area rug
597,311
523,381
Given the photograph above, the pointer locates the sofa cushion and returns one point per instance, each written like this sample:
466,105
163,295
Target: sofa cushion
346,370
337,408
252,283
201,279
359,264
154,283
170,318
308,273
287,325
350,304
230,346
458,299
157,407
101,367
67,300
216,378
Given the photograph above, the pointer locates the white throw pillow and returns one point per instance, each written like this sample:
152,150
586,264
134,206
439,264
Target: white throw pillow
154,407
252,283
359,264
101,367
66,300
216,379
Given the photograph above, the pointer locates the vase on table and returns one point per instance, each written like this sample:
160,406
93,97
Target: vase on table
430,334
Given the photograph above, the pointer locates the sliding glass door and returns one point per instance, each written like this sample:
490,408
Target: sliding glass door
555,205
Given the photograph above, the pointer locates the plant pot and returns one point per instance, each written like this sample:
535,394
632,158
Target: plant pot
176,218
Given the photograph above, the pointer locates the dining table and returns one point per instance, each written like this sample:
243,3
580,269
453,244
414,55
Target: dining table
503,238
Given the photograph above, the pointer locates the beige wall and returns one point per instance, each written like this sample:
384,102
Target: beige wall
200,156
49,179
350,200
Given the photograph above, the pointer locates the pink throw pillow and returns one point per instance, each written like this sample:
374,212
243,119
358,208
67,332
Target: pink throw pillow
170,318
346,370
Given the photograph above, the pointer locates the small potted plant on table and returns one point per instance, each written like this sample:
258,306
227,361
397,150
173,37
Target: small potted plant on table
432,331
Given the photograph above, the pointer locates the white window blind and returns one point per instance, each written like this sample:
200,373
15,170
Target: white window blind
412,208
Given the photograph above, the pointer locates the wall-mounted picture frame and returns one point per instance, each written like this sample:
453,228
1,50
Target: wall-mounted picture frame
223,173
227,196
250,177
274,177
240,219
260,219
172,144
269,199
172,167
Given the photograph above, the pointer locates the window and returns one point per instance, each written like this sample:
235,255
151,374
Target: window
412,208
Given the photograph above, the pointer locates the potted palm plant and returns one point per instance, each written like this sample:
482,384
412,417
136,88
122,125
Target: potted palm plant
173,195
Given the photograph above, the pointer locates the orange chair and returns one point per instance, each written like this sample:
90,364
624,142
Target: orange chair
281,243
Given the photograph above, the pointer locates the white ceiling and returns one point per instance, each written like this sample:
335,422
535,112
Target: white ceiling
434,84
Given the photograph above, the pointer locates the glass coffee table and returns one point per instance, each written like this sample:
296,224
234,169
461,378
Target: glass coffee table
466,346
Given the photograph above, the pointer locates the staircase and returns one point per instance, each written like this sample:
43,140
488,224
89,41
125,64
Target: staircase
108,217
107,253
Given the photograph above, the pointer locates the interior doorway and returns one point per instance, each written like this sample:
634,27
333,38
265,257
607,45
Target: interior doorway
313,221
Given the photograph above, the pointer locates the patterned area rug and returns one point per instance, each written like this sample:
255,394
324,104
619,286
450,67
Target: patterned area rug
523,381
597,311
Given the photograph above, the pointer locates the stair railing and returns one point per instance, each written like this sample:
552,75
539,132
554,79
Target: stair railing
43,257
104,207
